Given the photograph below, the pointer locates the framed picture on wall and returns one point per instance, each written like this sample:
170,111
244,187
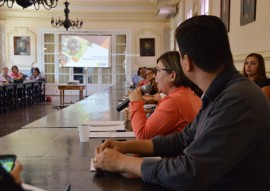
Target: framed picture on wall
147,47
225,13
21,45
248,12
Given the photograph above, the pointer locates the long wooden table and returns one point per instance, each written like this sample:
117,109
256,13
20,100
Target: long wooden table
53,157
62,89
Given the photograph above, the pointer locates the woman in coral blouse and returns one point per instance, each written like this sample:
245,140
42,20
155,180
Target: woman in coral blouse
178,108
16,75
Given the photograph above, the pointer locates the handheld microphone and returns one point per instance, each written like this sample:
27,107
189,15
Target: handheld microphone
145,89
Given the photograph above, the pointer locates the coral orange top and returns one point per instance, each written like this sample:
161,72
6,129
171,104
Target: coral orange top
172,114
16,75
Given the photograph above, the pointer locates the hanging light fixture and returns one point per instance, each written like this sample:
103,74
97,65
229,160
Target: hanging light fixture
47,4
67,22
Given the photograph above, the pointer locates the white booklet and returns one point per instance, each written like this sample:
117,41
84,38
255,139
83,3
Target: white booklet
112,134
100,126
30,187
92,168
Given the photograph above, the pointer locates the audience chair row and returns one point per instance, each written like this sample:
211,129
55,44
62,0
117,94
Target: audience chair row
16,95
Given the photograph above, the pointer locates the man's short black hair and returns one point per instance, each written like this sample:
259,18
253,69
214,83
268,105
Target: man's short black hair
204,40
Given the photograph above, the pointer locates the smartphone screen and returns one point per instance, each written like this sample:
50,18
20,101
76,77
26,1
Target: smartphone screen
7,162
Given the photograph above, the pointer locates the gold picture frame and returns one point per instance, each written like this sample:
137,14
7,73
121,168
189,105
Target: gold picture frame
21,45
147,47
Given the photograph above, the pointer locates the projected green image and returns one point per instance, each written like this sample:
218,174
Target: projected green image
74,48
86,51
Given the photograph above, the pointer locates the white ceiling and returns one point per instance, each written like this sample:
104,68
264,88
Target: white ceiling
94,10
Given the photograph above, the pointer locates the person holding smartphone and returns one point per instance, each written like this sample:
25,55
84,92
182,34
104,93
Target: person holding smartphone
12,180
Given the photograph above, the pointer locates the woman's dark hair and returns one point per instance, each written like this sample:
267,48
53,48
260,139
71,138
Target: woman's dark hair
138,73
261,74
153,82
205,41
16,67
37,69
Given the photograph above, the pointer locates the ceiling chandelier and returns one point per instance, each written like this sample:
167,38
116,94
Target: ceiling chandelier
67,22
47,4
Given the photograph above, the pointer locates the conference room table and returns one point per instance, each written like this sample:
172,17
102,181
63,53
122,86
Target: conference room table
53,156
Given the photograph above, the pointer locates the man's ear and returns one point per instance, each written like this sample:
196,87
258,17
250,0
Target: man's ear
187,63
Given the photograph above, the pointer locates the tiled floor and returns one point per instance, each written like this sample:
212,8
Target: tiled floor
13,120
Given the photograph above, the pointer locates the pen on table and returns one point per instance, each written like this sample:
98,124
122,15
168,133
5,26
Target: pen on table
68,188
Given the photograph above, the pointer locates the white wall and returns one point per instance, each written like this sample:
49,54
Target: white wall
137,30
253,37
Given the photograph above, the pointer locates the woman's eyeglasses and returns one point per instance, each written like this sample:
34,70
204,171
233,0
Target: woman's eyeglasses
167,70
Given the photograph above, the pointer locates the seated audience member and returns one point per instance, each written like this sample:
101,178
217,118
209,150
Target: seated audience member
141,76
150,79
174,111
6,76
36,75
11,181
227,146
153,97
254,70
16,75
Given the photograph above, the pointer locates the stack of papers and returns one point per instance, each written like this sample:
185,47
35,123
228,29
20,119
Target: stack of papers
107,129
31,188
111,134
100,126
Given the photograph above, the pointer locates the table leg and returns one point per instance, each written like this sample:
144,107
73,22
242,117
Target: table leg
81,94
62,98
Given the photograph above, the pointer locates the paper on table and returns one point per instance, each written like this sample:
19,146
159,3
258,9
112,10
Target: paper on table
30,187
111,134
104,123
92,168
101,128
